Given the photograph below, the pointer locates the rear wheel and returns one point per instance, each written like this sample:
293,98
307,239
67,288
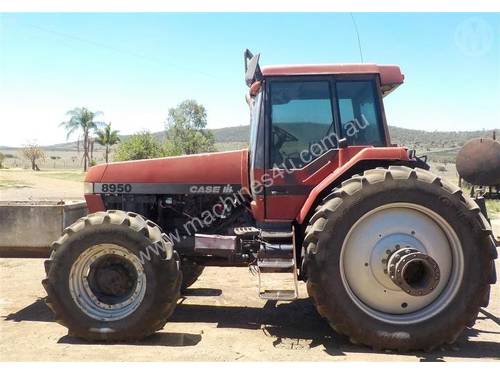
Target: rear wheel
112,276
399,259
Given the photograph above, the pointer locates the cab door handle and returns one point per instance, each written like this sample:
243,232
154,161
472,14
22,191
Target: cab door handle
278,190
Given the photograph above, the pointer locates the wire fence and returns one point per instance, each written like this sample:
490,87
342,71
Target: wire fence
50,161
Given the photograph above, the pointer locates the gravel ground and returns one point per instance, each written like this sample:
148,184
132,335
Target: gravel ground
220,319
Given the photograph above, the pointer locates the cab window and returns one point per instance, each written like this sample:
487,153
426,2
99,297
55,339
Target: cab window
301,118
359,115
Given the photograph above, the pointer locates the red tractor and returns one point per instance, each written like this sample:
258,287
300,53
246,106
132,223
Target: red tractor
394,256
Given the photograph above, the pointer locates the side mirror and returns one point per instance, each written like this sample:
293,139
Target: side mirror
252,68
343,143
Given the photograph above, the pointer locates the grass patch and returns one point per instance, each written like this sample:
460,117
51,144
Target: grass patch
493,206
76,176
8,184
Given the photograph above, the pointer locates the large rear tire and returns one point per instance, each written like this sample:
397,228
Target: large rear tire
112,276
350,243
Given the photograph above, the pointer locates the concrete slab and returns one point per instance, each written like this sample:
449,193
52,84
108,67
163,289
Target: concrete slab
29,227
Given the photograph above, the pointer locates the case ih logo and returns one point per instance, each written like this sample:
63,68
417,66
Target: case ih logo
163,188
211,189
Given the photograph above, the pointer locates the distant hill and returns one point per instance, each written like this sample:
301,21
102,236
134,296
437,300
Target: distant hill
445,139
439,144
401,136
233,134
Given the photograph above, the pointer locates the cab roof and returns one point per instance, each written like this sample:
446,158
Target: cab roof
390,75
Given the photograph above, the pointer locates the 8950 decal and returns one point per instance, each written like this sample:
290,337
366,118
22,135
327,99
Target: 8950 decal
116,188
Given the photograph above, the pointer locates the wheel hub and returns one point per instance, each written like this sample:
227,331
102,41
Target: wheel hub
416,273
107,282
113,280
382,250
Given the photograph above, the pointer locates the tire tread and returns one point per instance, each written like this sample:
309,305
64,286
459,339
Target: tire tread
334,200
153,233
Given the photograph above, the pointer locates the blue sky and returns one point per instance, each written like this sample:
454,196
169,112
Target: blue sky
133,67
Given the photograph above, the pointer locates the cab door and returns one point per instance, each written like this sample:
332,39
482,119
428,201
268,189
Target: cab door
302,141
305,118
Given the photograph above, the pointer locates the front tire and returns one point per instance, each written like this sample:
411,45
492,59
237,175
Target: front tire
190,273
112,276
349,244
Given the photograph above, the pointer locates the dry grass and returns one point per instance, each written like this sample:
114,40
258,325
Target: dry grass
7,184
493,206
66,175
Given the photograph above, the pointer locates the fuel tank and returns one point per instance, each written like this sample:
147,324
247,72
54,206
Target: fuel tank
478,162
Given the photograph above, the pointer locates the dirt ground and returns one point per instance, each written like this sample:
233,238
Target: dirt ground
21,184
220,318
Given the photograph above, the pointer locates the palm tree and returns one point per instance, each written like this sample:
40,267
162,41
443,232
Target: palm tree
107,137
83,120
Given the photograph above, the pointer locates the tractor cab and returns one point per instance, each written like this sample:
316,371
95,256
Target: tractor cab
301,115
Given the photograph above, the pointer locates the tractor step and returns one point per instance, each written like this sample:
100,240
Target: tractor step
277,237
279,295
277,267
276,261
247,233
278,280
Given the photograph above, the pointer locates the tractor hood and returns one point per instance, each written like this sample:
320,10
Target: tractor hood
211,173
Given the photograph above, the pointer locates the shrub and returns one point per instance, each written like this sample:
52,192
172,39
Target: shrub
441,168
141,145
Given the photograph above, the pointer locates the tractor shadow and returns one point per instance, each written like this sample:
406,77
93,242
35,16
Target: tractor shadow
297,326
171,339
38,311
290,326
202,292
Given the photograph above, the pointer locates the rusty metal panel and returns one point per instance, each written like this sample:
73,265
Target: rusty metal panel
478,162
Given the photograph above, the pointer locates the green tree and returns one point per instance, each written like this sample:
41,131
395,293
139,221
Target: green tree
186,133
2,157
82,120
107,137
141,145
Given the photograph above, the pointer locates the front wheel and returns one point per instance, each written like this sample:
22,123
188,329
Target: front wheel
112,276
399,259
190,273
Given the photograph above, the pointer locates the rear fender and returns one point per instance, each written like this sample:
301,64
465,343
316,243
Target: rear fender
367,158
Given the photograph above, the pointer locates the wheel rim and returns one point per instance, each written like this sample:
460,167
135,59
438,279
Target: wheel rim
107,282
380,233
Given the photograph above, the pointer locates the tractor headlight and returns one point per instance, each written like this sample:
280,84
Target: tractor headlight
88,187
